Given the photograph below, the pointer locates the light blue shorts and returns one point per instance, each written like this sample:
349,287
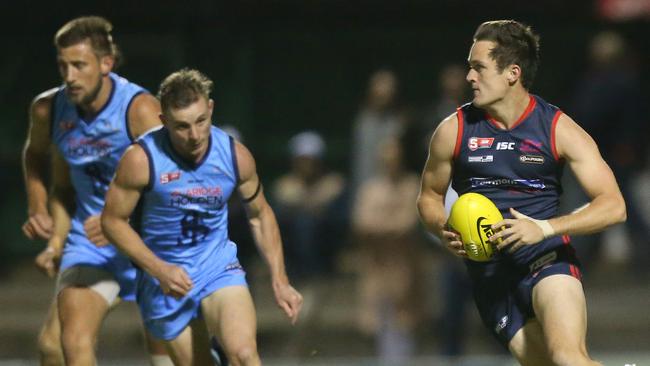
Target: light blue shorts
80,252
165,317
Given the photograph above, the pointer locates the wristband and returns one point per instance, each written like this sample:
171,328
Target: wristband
546,227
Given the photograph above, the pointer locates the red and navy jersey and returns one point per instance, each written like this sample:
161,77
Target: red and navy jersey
517,168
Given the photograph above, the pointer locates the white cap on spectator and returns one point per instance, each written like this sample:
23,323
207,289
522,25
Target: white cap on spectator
308,143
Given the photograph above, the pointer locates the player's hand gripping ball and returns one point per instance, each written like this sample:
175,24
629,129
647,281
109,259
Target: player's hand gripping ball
472,216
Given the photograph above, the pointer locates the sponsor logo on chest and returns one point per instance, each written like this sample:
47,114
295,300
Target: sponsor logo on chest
531,159
480,159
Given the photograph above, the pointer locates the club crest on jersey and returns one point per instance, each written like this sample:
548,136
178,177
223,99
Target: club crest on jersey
530,146
168,177
475,143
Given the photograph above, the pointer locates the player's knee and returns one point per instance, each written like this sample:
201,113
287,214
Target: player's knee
245,355
49,344
75,342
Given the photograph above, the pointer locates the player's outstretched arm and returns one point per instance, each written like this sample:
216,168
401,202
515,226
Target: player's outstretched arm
131,178
435,181
35,162
266,233
607,206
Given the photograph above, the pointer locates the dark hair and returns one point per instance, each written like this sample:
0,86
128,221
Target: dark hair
95,29
516,43
183,88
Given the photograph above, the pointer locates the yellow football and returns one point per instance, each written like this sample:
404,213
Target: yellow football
472,216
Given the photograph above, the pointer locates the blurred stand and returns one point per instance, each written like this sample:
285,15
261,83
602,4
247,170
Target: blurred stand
608,103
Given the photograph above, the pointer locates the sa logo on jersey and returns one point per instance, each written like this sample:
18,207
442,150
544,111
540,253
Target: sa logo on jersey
168,177
475,143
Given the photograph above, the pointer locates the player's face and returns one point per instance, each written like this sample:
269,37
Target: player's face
82,72
489,85
189,128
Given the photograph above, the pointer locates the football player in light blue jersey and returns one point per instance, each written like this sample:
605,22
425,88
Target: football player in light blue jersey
529,295
85,125
189,279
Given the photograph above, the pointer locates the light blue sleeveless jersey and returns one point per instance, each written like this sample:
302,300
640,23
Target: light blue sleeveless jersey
92,150
183,218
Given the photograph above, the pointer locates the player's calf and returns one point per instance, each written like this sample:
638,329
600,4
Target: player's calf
49,348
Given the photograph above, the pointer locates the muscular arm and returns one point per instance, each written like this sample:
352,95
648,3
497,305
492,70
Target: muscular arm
435,181
144,114
61,205
35,161
61,202
131,177
266,233
607,206
437,175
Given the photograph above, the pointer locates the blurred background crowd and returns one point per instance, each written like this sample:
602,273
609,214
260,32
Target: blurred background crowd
337,100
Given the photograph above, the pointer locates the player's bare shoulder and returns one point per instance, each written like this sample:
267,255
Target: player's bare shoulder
443,141
245,162
41,107
571,139
133,170
144,114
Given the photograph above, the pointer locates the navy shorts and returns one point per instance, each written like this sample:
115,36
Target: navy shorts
503,290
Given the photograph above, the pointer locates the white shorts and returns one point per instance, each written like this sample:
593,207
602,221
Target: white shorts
96,279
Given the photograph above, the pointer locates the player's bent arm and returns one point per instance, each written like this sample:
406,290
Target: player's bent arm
266,233
35,164
143,114
436,176
607,206
61,203
35,157
260,216
131,178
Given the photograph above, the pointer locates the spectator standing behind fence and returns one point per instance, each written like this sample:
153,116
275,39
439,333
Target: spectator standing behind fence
385,226
377,121
304,199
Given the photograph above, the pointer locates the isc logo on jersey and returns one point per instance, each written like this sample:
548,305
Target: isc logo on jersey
504,145
472,216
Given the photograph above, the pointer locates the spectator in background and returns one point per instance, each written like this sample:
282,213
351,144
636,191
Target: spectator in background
385,225
609,96
377,121
452,92
304,199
